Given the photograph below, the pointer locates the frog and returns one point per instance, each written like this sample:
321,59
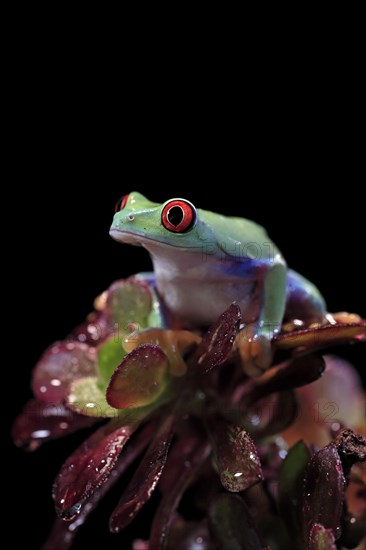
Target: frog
204,261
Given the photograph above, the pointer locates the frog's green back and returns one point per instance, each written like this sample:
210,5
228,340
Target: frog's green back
238,237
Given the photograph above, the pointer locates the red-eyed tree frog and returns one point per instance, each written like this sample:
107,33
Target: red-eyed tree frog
205,261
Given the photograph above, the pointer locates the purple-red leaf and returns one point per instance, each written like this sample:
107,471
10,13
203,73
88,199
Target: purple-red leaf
293,374
218,341
322,336
272,414
40,422
324,490
139,379
185,471
236,455
351,448
145,478
174,343
93,330
64,532
321,538
89,466
60,365
188,535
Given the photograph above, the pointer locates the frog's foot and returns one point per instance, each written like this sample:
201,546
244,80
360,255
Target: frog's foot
255,350
346,318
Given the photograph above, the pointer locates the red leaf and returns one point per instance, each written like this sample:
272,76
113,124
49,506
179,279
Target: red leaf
89,466
60,365
189,466
64,532
40,422
145,478
236,455
139,379
93,330
324,489
322,336
278,412
217,343
293,374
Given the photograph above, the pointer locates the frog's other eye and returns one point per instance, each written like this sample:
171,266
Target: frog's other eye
178,216
121,203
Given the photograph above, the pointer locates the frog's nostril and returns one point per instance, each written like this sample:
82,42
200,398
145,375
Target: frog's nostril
130,218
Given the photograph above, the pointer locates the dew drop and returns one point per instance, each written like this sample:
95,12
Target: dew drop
41,434
72,512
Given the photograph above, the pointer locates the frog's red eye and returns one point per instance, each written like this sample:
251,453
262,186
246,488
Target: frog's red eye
121,203
178,216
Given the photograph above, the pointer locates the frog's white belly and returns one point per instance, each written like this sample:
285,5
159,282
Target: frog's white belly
201,302
198,292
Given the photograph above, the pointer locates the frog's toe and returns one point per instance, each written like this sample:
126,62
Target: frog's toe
255,351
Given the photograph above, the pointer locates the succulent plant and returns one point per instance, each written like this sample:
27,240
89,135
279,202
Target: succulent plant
258,468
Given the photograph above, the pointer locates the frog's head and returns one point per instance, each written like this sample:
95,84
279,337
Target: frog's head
139,221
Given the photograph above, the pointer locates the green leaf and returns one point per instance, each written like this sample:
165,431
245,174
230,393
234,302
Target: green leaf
110,355
139,379
231,524
87,398
290,486
129,303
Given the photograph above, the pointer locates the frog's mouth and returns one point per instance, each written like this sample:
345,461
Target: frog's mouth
130,237
127,237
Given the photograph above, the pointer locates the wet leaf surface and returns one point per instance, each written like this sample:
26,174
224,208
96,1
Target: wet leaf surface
109,355
293,374
139,379
41,422
93,330
272,414
322,336
63,532
89,466
128,302
185,471
145,478
86,398
324,491
174,343
236,455
60,365
218,341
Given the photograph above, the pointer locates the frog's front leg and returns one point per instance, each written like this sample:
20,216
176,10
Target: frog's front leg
254,341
